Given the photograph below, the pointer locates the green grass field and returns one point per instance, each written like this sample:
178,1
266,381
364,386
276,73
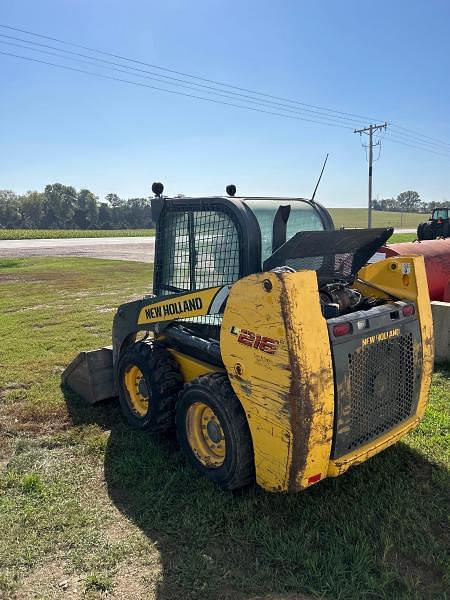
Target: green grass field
357,217
92,509
39,234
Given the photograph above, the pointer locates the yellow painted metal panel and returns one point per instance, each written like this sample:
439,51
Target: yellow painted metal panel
192,304
191,367
260,380
395,275
288,383
273,448
309,348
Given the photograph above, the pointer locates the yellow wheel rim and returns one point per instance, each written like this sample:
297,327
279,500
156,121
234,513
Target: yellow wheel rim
205,435
137,390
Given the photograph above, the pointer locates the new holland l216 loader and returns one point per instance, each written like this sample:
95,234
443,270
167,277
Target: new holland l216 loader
272,344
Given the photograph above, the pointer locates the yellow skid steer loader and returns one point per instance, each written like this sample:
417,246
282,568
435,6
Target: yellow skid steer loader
272,344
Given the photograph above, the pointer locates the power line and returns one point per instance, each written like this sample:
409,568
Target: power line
172,80
389,138
276,105
153,87
183,74
417,134
411,138
439,151
420,145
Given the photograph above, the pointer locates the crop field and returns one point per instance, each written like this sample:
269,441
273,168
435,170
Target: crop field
343,217
39,234
91,509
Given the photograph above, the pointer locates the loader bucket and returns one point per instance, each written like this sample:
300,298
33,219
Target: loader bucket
91,375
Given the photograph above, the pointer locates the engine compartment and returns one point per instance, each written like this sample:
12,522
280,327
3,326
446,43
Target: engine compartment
340,298
336,257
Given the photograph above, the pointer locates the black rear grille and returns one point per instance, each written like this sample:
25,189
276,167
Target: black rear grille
381,381
377,376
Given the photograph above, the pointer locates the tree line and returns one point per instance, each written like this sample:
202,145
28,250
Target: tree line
409,201
63,207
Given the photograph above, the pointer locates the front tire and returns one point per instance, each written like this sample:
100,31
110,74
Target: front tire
149,380
427,233
213,432
420,231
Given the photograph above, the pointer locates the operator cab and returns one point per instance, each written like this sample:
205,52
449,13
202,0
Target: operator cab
213,241
440,214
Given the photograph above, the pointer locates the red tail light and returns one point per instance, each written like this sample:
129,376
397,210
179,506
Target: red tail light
342,329
314,478
408,310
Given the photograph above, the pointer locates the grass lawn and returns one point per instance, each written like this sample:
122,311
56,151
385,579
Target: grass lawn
38,234
92,509
402,237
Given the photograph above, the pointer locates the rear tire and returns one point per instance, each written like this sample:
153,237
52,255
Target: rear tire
149,381
213,432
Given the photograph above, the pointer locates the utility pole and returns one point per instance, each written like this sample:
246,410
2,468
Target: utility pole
370,130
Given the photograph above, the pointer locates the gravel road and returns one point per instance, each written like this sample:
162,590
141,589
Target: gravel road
120,248
141,249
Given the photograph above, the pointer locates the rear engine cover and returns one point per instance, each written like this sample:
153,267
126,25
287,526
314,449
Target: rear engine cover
377,375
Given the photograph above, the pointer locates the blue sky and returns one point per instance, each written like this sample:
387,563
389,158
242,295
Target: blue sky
388,60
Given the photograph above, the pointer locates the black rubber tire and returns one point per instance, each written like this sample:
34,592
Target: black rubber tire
446,229
163,379
420,231
427,232
238,469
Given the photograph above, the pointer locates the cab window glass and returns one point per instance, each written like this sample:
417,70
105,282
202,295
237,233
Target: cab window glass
199,249
303,217
440,213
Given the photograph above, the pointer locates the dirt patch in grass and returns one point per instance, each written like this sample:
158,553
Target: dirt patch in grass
133,580
5,278
39,420
51,580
